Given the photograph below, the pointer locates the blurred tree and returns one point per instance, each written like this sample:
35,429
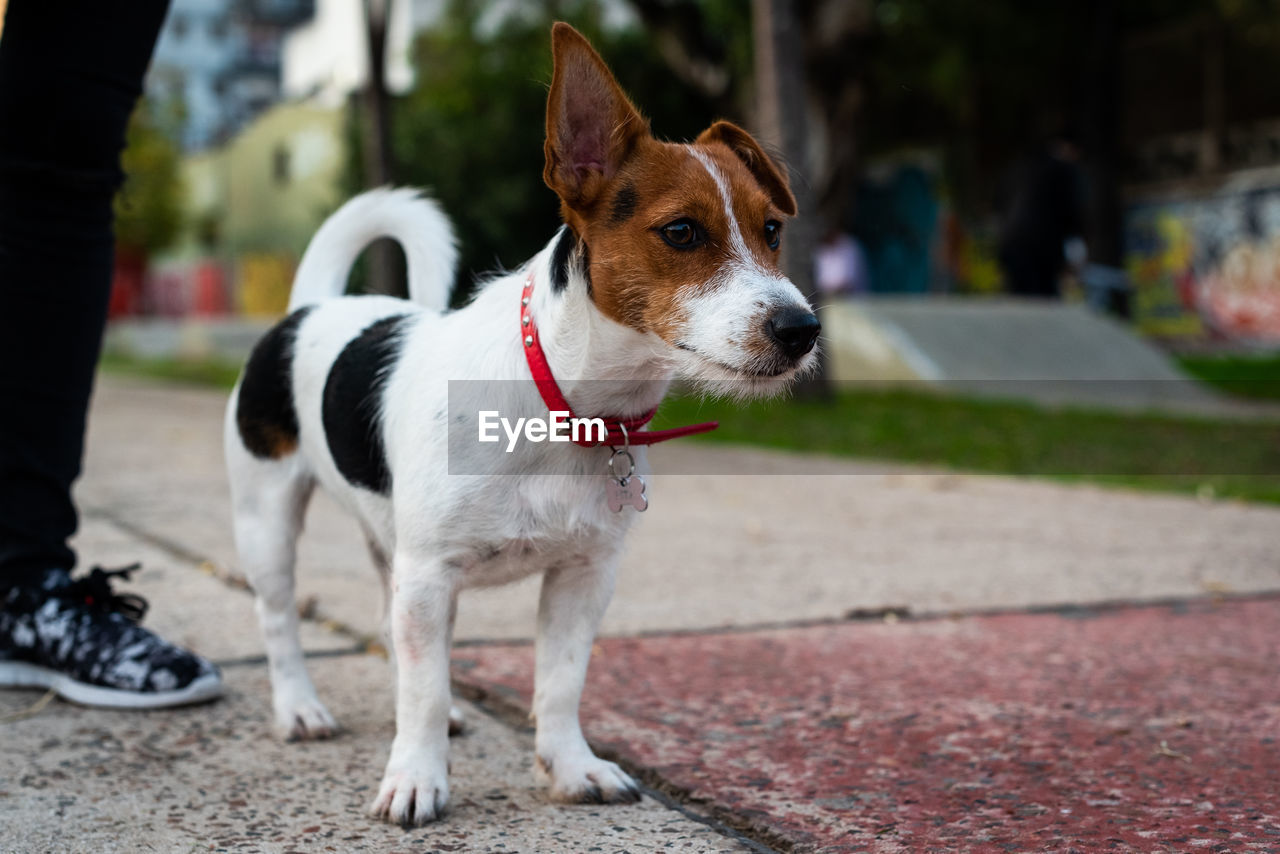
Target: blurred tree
379,163
148,208
781,119
986,83
472,128
707,45
715,41
978,83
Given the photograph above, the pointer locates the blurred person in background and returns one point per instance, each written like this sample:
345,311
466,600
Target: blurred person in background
840,265
1042,234
70,75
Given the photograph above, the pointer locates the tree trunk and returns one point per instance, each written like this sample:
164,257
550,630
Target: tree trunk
378,164
1101,136
1215,114
782,122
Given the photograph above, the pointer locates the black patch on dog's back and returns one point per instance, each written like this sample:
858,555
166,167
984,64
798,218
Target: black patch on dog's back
265,413
352,405
624,204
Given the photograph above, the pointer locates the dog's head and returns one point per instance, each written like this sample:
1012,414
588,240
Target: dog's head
681,240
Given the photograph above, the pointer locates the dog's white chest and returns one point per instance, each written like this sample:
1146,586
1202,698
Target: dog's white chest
566,522
494,565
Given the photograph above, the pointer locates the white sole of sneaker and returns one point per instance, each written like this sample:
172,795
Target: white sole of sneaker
22,674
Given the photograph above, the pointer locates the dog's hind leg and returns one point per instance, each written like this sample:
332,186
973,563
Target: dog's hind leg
572,603
383,565
269,499
457,722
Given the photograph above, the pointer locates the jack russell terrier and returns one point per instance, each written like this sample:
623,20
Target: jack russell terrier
666,266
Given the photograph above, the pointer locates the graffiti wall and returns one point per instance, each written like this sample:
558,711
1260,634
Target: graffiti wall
1208,264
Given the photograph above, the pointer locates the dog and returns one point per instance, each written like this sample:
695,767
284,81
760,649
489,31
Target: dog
666,266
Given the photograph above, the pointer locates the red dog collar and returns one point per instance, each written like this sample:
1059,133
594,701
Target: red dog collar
620,431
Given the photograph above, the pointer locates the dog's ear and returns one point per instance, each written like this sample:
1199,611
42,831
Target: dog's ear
771,176
591,126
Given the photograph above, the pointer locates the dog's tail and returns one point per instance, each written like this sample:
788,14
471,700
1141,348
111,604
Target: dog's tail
415,222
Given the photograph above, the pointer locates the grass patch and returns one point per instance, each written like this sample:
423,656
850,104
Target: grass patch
210,373
1254,377
1239,459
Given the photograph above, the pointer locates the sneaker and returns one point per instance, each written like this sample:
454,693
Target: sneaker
82,639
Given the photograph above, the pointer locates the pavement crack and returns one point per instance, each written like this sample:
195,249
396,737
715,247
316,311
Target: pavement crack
308,609
30,711
261,660
163,543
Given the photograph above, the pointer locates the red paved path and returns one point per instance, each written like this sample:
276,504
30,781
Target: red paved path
1008,733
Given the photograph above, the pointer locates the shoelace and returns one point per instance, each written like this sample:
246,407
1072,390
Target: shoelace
95,591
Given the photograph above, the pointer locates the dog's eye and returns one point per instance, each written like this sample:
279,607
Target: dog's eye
682,234
773,233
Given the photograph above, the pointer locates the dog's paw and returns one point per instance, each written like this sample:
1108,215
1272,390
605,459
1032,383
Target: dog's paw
305,720
457,723
589,780
411,797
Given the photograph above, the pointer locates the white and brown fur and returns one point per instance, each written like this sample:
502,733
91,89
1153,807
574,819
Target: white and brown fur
351,393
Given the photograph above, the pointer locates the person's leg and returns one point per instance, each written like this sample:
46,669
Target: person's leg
1028,274
69,79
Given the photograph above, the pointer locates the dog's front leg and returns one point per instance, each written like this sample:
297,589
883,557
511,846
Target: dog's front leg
573,601
415,787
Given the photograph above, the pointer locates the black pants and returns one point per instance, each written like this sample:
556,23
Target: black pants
70,75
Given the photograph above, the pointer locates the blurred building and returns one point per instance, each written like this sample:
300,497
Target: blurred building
264,89
218,64
327,58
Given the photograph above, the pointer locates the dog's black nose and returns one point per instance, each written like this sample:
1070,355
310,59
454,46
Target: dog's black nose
795,329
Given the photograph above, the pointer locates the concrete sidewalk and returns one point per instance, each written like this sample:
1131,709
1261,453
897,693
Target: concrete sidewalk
742,682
